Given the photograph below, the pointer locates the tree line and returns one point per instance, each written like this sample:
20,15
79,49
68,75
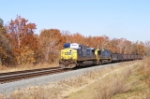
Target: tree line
19,44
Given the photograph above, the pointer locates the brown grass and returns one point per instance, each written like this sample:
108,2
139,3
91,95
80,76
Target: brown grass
146,70
114,84
138,82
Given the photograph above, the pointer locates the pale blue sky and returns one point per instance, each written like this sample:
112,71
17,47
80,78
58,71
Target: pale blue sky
128,19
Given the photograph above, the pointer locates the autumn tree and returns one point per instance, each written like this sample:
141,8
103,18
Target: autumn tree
89,41
21,35
78,38
51,41
127,49
74,38
118,45
29,49
141,48
98,41
138,47
67,35
147,48
5,47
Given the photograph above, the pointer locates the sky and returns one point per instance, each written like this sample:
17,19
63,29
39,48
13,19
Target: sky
129,19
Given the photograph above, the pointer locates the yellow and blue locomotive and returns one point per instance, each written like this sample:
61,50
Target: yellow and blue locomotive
73,55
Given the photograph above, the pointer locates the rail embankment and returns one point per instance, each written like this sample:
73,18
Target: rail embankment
129,80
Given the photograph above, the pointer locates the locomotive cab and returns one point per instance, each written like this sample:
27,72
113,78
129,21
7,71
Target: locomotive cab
68,58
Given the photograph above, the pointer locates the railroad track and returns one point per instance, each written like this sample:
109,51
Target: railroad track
13,76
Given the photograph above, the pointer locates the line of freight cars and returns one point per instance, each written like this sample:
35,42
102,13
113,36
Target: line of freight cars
73,55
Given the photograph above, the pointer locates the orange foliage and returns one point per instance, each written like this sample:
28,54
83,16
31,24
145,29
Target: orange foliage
103,42
21,35
51,41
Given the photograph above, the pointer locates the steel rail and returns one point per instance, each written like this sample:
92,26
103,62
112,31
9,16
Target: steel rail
24,71
13,76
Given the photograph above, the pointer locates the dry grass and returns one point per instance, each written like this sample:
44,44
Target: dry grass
113,84
26,67
146,70
138,81
125,81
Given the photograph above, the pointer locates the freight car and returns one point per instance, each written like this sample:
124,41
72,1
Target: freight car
73,55
124,57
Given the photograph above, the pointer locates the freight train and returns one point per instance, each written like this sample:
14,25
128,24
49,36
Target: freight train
73,55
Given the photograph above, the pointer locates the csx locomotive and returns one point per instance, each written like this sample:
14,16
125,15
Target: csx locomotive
73,55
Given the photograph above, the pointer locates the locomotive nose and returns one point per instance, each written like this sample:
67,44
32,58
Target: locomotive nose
68,58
